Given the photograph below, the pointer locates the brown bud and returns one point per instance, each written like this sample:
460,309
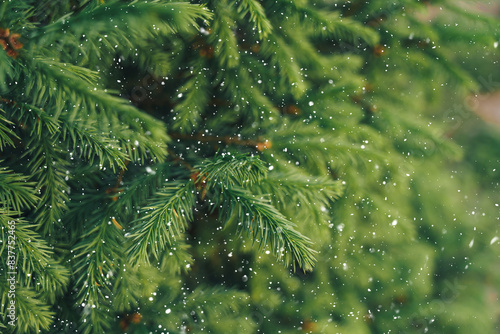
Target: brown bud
4,33
401,299
292,110
199,183
14,41
378,50
308,326
207,51
368,318
194,176
255,48
264,145
3,43
135,318
124,324
373,108
12,53
368,87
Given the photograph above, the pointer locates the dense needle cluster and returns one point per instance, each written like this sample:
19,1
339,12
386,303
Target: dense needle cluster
264,166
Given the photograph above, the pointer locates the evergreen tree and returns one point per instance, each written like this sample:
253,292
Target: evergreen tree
245,166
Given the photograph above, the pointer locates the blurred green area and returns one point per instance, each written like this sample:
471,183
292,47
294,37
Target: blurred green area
375,104
410,248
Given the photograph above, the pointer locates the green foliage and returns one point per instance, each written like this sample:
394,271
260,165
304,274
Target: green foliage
298,132
194,95
229,170
5,133
161,223
257,16
15,191
267,225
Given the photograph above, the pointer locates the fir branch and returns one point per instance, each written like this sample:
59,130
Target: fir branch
455,71
49,170
96,260
32,314
301,193
304,52
162,222
224,176
267,226
87,198
238,87
308,146
223,37
68,81
164,17
5,132
141,147
15,191
330,23
177,257
49,81
282,57
96,254
50,283
135,191
256,14
125,293
73,81
194,96
34,258
89,143
229,170
342,28
7,72
98,319
34,118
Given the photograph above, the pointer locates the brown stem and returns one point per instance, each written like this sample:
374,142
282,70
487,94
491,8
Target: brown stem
216,139
8,101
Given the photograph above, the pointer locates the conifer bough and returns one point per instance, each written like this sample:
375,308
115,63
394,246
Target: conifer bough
271,128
